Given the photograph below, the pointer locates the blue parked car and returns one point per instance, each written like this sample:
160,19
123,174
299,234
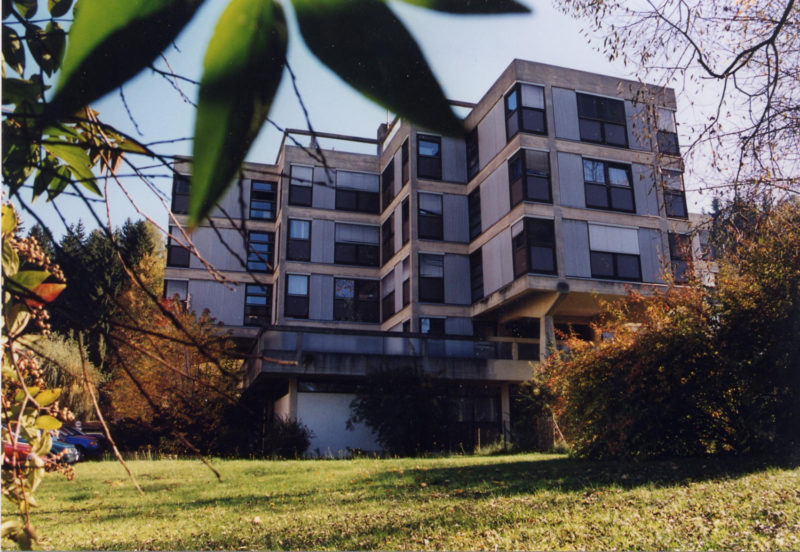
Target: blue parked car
88,446
61,451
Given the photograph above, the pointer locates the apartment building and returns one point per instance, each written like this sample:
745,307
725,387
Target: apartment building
462,256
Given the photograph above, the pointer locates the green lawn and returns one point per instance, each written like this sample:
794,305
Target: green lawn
479,502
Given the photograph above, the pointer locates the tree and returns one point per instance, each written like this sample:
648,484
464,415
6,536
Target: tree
744,55
694,370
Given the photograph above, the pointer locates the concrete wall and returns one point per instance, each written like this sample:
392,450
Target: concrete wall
209,245
454,160
498,269
495,198
565,113
570,180
226,305
455,218
492,134
326,414
576,248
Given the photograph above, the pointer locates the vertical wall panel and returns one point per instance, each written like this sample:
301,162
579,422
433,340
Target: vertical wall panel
455,218
456,282
208,243
570,180
454,160
565,113
491,134
320,297
576,248
226,305
398,228
498,267
458,326
638,133
644,190
322,241
324,197
495,199
651,255
231,203
398,287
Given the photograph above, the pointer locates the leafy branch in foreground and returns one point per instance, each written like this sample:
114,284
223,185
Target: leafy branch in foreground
360,40
29,409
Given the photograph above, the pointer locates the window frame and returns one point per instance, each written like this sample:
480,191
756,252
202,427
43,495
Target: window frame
609,186
602,122
257,258
474,213
364,252
273,200
680,256
177,250
181,184
521,181
431,288
359,201
387,239
473,153
518,112
352,307
523,242
476,275
295,197
438,331
430,225
252,310
423,160
293,244
387,185
297,300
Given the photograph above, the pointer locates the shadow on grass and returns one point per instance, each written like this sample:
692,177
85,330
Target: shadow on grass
569,474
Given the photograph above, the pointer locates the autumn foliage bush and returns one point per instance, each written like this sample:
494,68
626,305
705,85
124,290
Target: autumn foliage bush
695,370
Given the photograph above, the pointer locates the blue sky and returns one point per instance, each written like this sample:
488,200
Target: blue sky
467,54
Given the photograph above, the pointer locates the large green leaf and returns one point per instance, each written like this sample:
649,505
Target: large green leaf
110,41
472,6
368,47
13,52
47,422
241,71
77,160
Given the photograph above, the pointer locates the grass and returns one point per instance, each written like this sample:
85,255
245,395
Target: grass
528,501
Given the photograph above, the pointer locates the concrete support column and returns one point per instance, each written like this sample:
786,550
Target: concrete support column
292,398
547,336
505,411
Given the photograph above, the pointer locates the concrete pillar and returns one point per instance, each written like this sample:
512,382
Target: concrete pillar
505,411
292,398
547,336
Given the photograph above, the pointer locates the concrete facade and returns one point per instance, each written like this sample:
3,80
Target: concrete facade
462,256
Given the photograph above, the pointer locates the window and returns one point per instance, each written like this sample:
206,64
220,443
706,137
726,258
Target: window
529,177
404,155
534,246
674,196
180,194
387,185
476,274
680,254
387,239
406,281
296,305
430,216
667,135
602,120
474,209
262,200
260,251
387,296
431,278
300,185
608,186
431,326
357,192
356,244
355,300
176,287
406,223
473,159
614,253
177,255
257,304
525,110
298,246
429,157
